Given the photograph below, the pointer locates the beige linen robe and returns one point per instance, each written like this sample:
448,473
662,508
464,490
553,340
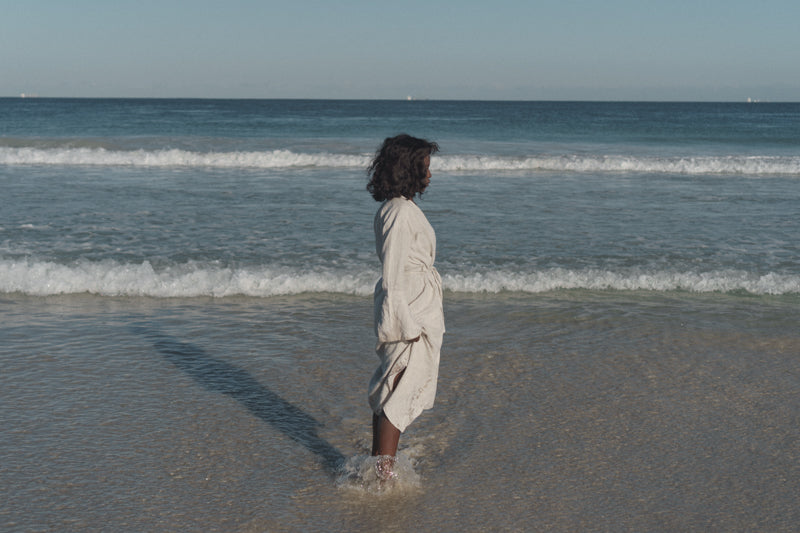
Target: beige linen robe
408,304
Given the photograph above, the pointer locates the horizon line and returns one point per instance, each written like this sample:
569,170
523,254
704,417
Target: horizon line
748,100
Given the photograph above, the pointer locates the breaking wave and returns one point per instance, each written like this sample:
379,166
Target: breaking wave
276,159
175,158
193,279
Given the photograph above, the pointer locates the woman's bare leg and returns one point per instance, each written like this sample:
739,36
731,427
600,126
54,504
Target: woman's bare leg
385,436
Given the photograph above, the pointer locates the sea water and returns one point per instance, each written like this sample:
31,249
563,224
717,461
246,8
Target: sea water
185,315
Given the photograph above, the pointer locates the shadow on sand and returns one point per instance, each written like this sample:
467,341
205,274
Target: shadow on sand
225,378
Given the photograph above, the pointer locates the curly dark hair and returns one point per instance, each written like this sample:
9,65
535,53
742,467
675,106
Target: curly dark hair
398,168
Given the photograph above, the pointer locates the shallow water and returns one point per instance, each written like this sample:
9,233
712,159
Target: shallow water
567,411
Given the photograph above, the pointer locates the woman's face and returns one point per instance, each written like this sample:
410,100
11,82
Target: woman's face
427,180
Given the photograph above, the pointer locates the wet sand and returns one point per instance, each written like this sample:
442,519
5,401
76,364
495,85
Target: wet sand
570,411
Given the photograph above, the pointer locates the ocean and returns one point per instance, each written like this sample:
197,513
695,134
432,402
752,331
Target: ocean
186,316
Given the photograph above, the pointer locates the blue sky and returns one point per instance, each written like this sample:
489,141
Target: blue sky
499,49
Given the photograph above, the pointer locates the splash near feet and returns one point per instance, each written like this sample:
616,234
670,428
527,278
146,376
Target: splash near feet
379,475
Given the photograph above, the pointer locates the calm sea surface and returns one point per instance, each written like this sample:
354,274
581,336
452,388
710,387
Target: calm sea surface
185,316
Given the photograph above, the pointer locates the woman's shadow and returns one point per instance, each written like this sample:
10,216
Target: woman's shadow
225,378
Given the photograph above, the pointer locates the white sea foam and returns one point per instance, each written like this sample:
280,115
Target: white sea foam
111,278
751,165
175,158
630,280
69,156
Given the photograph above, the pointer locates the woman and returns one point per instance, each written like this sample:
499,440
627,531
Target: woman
409,321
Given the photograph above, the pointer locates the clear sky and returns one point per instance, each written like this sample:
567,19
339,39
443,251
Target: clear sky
449,49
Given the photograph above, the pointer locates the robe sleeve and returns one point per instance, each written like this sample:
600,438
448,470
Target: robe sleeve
394,321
